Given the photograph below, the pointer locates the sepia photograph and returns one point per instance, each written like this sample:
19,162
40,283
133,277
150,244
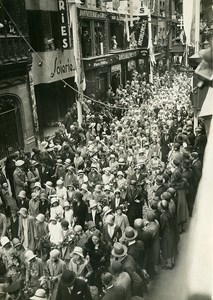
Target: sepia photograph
106,149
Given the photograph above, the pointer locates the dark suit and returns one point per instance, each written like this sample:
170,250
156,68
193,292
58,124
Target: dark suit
97,220
114,293
80,212
136,250
116,235
45,174
197,172
113,203
80,291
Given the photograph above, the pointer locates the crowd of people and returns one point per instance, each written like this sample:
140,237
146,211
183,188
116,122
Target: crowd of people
95,211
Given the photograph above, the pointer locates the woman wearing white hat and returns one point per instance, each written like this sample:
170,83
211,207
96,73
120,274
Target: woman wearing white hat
55,268
56,210
61,192
40,294
79,264
41,233
34,270
10,260
55,232
20,178
107,177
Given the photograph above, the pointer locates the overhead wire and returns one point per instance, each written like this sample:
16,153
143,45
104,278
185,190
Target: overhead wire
58,76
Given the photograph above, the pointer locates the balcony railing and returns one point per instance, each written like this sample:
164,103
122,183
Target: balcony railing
13,49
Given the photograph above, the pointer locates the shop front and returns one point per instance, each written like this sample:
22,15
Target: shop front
97,73
53,71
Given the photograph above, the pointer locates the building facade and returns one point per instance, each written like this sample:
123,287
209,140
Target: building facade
17,124
53,65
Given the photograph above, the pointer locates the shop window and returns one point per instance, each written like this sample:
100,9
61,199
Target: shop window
99,38
45,31
86,41
10,125
116,35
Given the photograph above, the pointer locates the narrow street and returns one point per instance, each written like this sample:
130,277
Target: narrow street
170,284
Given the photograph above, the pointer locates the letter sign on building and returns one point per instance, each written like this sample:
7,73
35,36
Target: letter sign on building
64,29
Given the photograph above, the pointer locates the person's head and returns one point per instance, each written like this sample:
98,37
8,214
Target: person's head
78,197
40,218
54,255
96,237
78,253
54,202
40,294
66,206
117,193
5,186
64,225
119,210
107,279
116,267
17,244
78,229
23,212
59,183
68,278
30,257
5,243
110,220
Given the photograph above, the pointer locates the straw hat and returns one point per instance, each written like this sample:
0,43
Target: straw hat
130,233
119,250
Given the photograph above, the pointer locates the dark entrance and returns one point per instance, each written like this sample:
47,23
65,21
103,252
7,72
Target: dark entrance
11,134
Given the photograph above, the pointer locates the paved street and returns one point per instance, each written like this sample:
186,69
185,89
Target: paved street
169,284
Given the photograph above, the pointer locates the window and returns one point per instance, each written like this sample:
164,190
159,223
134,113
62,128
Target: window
44,29
86,41
16,9
99,38
116,35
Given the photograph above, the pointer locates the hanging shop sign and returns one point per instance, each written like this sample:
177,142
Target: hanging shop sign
142,32
64,30
91,14
52,66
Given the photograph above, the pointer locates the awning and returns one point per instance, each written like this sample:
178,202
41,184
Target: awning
207,107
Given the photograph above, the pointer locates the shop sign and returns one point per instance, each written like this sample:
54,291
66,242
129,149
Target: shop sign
90,14
127,55
53,66
64,31
116,17
99,62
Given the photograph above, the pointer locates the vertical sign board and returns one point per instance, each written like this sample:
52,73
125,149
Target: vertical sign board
63,21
